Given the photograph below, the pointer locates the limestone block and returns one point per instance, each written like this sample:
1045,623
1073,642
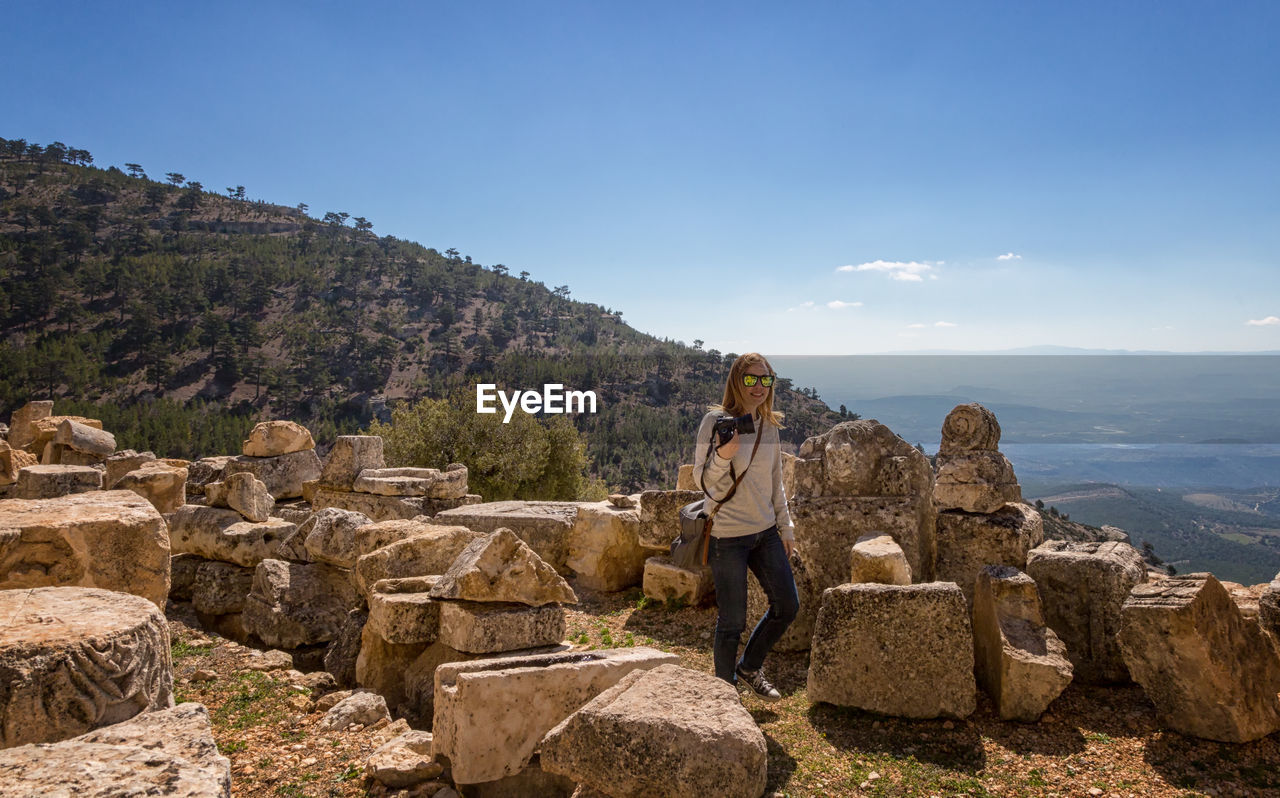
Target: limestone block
22,431
12,461
283,474
427,553
221,588
604,547
292,547
329,535
660,518
161,484
667,731
295,511
545,526
114,540
363,707
378,508
205,470
877,558
341,654
904,650
73,659
385,667
432,482
121,463
84,438
166,752
220,534
45,429
473,723
182,575
51,481
274,438
862,458
1020,662
975,482
1082,587
68,456
1209,671
489,628
625,502
685,479
1269,609
350,455
968,542
502,567
401,612
248,496
665,581
371,537
404,761
798,634
969,428
298,604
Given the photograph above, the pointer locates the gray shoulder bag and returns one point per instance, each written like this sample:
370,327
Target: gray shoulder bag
691,546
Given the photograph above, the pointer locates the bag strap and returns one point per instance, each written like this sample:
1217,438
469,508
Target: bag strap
702,478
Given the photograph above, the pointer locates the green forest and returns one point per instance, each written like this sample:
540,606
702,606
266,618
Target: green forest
180,315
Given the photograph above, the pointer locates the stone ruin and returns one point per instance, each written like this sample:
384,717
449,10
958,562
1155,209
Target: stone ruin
419,598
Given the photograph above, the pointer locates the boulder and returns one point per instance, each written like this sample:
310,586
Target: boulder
298,604
1269,609
430,482
221,588
114,540
474,725
166,752
51,481
159,483
205,470
74,659
12,461
1209,671
968,542
877,558
660,516
274,438
220,534
22,433
329,535
341,654
544,526
604,547
975,482
400,611
490,628
121,463
83,438
1020,662
666,581
904,650
350,455
363,708
861,458
1082,587
248,496
283,474
667,731
404,761
501,567
428,553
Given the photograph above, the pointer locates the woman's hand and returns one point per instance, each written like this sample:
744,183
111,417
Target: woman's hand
789,546
728,450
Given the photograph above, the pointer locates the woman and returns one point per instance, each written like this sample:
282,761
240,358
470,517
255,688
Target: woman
752,528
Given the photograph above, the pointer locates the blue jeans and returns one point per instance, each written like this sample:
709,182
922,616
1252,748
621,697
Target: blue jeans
730,558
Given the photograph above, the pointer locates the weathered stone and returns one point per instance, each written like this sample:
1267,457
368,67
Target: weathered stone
429,552
221,588
297,604
378,508
230,626
903,650
68,456
12,461
1209,671
73,659
969,428
660,518
473,722
1020,662
862,458
371,537
45,429
274,438
121,463
502,567
22,431
166,752
385,667
283,474
975,482
159,483
340,657
667,731
419,679
51,481
114,540
401,612
361,707
84,438
545,526
404,762
490,628
666,581
877,558
182,575
329,535
684,478
248,496
221,534
604,547
1083,586
413,482
295,511
205,470
969,542
1269,609
350,455
624,502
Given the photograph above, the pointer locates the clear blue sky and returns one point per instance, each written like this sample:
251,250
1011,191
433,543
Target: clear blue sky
709,168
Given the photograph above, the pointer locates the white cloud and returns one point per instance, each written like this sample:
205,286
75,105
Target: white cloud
1165,327
1009,256
944,324
1270,321
837,304
801,306
915,326
906,271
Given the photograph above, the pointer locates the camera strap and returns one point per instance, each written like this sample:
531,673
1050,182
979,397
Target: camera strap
702,478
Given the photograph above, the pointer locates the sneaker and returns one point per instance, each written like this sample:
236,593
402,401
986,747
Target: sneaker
758,684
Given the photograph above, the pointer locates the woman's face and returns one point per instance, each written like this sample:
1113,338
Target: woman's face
754,396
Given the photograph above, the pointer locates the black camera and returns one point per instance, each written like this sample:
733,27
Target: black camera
725,428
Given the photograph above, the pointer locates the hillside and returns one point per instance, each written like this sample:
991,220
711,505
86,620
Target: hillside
211,311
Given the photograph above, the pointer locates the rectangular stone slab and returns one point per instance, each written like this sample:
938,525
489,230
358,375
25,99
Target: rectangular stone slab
490,628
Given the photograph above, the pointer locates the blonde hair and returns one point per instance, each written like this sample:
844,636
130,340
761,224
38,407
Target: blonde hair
733,404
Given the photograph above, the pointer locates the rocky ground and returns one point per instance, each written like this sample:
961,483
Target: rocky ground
1094,741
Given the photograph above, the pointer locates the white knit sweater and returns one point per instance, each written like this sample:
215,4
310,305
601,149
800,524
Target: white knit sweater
759,502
